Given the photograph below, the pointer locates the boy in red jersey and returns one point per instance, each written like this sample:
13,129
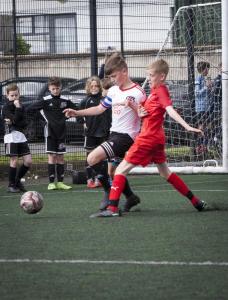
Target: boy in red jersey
149,145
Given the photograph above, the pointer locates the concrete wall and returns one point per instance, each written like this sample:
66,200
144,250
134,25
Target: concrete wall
78,66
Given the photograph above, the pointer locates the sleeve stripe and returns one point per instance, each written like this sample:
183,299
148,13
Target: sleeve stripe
141,89
107,102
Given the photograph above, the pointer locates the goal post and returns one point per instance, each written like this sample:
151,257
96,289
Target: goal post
197,33
225,83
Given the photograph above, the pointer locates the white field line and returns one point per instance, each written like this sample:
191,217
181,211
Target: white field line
114,262
53,193
100,191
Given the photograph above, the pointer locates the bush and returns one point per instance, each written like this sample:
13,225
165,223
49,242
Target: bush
23,48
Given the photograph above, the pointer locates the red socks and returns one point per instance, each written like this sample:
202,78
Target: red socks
117,188
119,181
182,188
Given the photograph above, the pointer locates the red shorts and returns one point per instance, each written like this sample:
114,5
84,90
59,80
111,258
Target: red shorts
142,154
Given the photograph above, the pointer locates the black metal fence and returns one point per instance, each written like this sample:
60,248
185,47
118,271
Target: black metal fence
69,38
42,38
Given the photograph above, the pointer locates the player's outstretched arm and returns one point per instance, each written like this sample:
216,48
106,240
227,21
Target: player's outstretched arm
174,115
69,112
91,111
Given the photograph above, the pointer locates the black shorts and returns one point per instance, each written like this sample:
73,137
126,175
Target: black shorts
91,142
17,149
55,146
117,145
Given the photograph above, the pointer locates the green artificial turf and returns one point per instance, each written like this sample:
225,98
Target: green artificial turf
147,254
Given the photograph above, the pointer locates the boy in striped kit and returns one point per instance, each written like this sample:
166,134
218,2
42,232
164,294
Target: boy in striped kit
123,98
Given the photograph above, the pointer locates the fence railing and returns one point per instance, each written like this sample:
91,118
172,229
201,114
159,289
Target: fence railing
70,38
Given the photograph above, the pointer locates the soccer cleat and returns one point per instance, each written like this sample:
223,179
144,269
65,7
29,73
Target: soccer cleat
131,201
91,184
21,187
62,186
106,214
13,189
51,186
202,205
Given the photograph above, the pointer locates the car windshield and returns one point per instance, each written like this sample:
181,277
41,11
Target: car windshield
29,88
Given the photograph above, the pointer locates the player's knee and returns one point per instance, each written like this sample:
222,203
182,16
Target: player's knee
27,161
52,159
124,168
13,162
60,159
91,159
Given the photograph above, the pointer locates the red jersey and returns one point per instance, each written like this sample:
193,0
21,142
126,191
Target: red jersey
152,130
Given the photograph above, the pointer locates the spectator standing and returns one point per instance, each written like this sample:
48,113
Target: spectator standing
96,127
203,93
51,108
16,144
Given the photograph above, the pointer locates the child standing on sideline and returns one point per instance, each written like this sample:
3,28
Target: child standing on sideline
51,108
96,127
122,98
149,146
203,86
203,98
16,144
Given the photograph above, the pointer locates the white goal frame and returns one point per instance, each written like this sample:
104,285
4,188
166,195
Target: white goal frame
209,166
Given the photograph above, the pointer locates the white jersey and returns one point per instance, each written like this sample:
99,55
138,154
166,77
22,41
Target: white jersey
124,119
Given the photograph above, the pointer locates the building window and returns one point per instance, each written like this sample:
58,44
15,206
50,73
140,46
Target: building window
55,34
24,25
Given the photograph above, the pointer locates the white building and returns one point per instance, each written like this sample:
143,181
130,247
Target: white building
57,27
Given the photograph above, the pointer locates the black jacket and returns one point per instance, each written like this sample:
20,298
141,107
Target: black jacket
51,108
16,115
97,126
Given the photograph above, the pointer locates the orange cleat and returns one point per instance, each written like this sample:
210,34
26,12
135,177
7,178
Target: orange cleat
91,184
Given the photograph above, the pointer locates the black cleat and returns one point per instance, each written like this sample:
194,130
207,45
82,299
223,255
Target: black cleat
202,205
131,201
13,189
21,187
106,214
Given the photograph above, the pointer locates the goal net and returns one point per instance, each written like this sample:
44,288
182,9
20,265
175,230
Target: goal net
194,41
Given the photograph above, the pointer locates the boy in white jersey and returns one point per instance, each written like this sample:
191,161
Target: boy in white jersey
123,98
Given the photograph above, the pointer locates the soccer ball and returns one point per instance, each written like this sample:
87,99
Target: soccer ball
31,202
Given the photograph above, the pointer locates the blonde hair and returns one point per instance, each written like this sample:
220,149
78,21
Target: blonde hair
89,81
114,63
160,66
12,87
